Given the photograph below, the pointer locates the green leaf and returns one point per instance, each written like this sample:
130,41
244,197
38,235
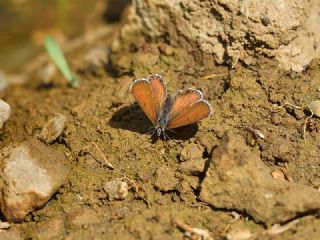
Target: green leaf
59,60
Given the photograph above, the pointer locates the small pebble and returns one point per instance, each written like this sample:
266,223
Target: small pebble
278,174
116,189
255,132
191,152
165,49
192,167
47,72
314,106
5,111
165,179
268,195
183,187
97,56
239,234
4,225
3,81
53,128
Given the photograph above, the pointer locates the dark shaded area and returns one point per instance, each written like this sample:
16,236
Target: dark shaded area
115,10
45,86
132,118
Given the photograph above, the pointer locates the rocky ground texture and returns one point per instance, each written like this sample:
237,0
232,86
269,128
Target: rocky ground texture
76,163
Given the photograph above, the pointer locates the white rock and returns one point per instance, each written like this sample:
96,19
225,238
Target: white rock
32,173
116,189
47,72
53,128
5,111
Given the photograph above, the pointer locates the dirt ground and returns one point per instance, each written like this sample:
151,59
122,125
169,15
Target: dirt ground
102,111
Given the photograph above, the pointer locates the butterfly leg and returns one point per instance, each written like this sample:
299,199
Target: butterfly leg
166,136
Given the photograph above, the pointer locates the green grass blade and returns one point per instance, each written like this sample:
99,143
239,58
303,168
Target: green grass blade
59,60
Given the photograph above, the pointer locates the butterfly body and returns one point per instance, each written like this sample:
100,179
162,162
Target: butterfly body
165,112
163,117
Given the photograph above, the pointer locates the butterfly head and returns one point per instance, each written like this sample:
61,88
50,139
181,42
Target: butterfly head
160,131
160,126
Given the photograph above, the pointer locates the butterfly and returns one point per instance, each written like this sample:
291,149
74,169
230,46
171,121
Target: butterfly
166,112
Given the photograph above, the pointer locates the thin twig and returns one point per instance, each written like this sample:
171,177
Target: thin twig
304,128
212,75
132,182
237,59
203,233
106,162
290,104
278,229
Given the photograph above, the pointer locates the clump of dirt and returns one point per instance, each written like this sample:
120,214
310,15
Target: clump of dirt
238,179
231,31
104,123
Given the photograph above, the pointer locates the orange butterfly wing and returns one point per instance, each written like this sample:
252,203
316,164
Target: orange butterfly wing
188,107
150,94
184,98
159,91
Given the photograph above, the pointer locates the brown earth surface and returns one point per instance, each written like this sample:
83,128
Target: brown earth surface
162,192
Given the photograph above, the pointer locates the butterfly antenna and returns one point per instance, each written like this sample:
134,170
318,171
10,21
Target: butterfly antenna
171,130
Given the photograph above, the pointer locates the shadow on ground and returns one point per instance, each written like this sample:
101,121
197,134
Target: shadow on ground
132,118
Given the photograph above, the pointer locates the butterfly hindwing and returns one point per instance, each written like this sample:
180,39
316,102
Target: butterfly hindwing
192,114
183,99
188,107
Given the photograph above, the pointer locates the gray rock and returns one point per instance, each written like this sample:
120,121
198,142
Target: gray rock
5,111
32,173
238,180
53,128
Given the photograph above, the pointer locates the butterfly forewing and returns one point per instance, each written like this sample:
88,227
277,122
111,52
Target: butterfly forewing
143,94
159,91
190,114
183,99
